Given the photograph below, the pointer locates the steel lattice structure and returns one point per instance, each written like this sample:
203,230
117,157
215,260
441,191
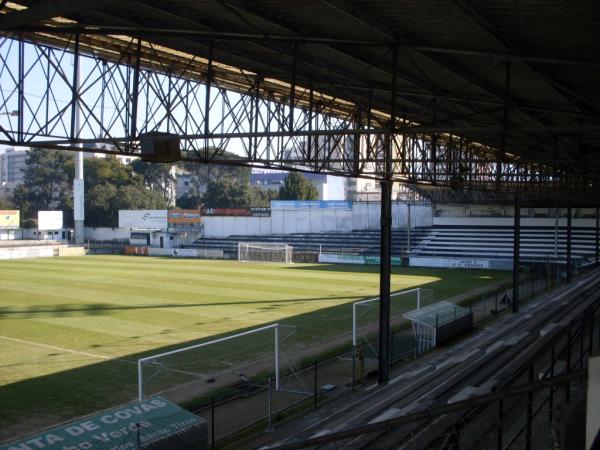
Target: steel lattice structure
128,87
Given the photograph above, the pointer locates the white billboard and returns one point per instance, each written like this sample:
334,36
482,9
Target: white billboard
50,220
143,218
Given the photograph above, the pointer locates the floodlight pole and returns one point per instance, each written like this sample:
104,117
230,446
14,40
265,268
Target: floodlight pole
78,181
516,255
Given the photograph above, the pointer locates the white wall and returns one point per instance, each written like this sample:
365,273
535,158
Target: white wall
8,235
105,234
364,215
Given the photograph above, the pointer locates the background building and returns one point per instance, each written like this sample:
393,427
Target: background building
330,187
12,166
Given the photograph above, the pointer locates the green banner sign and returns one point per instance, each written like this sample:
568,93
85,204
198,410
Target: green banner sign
131,426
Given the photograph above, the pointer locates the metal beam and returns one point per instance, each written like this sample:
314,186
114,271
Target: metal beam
569,229
144,31
516,255
48,10
597,240
385,270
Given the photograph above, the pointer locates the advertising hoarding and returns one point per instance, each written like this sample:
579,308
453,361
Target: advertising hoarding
50,220
135,425
184,216
9,218
311,204
143,218
237,212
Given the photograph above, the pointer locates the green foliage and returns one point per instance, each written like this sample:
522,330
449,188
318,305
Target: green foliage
189,201
157,177
101,305
109,186
261,198
5,203
227,194
297,187
204,173
46,185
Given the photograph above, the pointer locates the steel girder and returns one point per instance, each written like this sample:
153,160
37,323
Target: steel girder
126,88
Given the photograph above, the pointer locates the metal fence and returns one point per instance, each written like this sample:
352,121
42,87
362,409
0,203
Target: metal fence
530,410
254,408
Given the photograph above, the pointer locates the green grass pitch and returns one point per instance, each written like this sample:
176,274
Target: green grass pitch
71,328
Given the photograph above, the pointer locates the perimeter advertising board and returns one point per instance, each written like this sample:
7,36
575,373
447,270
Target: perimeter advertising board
311,204
184,216
9,219
50,220
450,263
237,212
143,218
154,420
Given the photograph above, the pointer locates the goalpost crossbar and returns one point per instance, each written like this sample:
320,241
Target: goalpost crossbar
370,300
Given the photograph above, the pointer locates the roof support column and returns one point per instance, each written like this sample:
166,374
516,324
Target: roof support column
385,271
502,150
207,102
569,220
597,236
385,250
516,255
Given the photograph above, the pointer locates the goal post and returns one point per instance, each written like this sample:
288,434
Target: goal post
365,313
247,357
265,252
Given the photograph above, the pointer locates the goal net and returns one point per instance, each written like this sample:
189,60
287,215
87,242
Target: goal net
365,321
264,251
244,361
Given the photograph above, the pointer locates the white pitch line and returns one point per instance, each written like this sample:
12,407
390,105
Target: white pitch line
62,349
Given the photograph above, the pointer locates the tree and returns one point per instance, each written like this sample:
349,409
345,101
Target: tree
189,201
204,173
109,186
5,203
227,194
46,184
261,198
158,177
297,187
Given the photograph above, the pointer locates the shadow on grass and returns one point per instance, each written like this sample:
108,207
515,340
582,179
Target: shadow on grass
41,401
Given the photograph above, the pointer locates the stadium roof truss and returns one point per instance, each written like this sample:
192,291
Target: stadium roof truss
479,95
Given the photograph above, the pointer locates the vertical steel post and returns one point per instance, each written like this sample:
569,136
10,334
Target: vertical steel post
140,381
408,229
597,242
502,151
212,422
385,257
500,430
21,91
516,255
316,386
555,232
276,358
136,90
293,88
384,280
569,221
207,98
528,431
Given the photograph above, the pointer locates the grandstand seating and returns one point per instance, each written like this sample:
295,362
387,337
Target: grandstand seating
436,241
359,242
497,242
